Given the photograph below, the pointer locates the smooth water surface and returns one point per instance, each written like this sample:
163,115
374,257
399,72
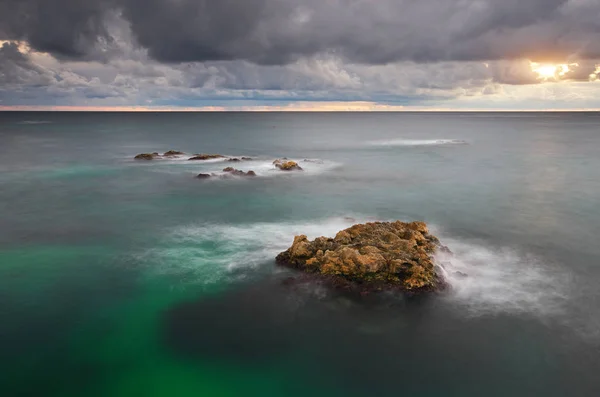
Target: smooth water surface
133,278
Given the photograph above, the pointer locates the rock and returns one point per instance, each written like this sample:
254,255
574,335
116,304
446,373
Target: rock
460,274
287,165
203,176
173,153
233,171
206,157
234,159
371,256
147,156
246,158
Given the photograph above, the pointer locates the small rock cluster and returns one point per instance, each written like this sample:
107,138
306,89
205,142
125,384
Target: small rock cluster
282,164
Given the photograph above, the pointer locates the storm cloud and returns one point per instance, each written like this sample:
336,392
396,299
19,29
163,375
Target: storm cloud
281,31
153,50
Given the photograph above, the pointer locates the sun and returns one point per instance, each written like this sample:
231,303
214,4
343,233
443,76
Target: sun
549,71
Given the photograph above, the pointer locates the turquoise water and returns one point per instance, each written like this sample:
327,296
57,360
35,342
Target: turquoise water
125,278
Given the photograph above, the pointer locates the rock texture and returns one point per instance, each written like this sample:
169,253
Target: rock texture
147,156
173,153
233,171
206,156
287,165
371,256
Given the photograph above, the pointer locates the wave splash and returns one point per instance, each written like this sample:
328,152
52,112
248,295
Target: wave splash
262,167
418,142
214,253
483,280
486,280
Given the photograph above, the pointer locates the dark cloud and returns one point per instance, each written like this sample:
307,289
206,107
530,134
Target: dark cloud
17,69
198,52
281,31
65,28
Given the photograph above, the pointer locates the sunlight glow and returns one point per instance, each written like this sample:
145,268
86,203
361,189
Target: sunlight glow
548,71
595,76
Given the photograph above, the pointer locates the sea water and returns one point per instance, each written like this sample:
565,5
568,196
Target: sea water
133,278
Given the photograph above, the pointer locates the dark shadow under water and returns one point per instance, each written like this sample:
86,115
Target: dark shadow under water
381,344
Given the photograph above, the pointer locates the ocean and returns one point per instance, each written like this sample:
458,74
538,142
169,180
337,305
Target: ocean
134,278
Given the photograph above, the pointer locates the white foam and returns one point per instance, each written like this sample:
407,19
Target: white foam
486,280
262,167
34,122
418,142
482,280
266,168
211,253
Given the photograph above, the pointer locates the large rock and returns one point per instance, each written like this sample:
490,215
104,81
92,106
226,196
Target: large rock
287,165
371,256
206,156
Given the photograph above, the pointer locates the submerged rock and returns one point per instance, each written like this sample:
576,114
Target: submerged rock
173,153
371,256
235,159
203,176
233,171
147,156
206,157
287,165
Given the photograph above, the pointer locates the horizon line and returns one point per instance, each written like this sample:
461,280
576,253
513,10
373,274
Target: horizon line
302,111
333,107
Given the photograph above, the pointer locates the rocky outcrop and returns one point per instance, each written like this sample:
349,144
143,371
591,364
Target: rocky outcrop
156,155
287,165
206,157
371,256
173,153
147,156
227,173
236,159
233,171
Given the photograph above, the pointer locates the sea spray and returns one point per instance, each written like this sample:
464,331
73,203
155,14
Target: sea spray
418,142
487,280
482,279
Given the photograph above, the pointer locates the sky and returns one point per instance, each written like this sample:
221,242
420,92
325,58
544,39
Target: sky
300,55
